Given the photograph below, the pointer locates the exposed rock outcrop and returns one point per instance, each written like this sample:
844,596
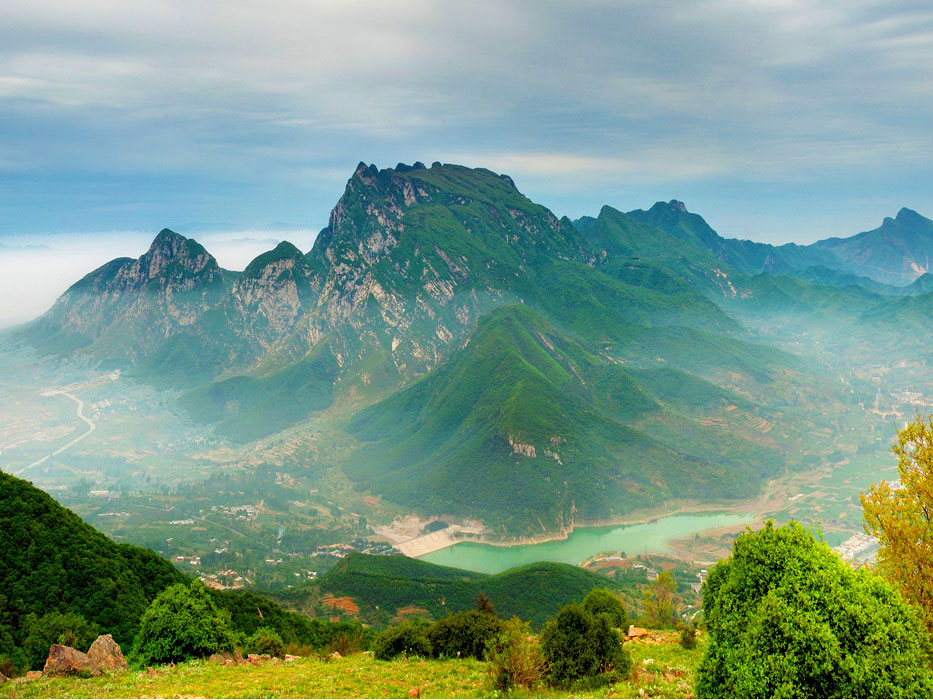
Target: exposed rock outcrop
106,654
66,661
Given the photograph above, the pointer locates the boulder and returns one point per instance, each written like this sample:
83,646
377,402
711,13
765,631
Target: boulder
225,658
106,654
66,661
634,631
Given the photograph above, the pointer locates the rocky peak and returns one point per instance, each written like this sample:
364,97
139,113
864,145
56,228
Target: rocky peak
170,248
679,206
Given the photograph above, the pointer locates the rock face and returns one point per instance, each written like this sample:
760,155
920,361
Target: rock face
65,661
106,654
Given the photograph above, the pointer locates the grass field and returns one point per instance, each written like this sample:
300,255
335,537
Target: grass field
661,669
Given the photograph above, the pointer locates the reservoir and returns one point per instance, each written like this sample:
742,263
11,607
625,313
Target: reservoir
583,543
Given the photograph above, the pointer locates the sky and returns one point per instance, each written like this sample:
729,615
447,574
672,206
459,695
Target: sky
776,120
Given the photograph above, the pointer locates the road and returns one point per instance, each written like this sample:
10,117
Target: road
91,427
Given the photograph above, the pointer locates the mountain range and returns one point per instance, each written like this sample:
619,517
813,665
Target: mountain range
464,337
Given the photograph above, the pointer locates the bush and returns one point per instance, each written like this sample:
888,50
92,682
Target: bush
688,637
600,601
514,657
265,640
409,638
463,634
576,646
787,618
54,627
346,643
180,624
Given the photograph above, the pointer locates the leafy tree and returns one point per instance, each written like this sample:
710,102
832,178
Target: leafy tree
901,520
514,657
600,601
662,604
464,633
688,637
182,623
54,627
578,645
265,640
408,638
787,618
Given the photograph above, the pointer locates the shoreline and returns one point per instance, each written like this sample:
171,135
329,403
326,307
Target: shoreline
436,541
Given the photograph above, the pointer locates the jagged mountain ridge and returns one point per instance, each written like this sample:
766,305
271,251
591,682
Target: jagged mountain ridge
413,268
894,254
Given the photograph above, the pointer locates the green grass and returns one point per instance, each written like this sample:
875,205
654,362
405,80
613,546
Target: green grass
660,670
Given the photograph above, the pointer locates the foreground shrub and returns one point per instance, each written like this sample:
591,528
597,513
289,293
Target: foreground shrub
463,634
181,623
54,627
265,640
409,638
599,601
514,657
577,645
787,618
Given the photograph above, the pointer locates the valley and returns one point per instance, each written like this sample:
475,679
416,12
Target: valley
453,372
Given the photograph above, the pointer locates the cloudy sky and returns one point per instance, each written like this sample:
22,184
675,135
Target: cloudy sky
777,120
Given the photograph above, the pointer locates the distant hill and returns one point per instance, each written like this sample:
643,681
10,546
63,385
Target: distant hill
897,252
383,586
894,254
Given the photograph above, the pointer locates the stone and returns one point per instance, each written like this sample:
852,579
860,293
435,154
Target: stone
336,655
106,654
291,657
66,661
414,693
33,675
226,658
3,679
634,631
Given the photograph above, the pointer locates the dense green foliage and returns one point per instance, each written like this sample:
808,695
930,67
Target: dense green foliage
787,618
600,601
577,645
53,562
409,638
265,640
465,633
54,627
534,592
182,623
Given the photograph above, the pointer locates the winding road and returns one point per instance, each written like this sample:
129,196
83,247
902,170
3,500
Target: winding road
91,427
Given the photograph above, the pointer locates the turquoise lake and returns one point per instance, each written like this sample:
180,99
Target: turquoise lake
583,543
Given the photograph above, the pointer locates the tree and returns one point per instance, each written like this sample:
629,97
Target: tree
182,623
265,640
409,638
662,604
787,618
600,601
465,633
578,645
54,627
902,519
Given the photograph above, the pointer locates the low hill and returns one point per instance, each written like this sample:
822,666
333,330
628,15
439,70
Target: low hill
54,561
386,588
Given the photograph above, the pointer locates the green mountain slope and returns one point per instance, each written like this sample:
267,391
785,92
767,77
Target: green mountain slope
524,405
381,586
54,561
